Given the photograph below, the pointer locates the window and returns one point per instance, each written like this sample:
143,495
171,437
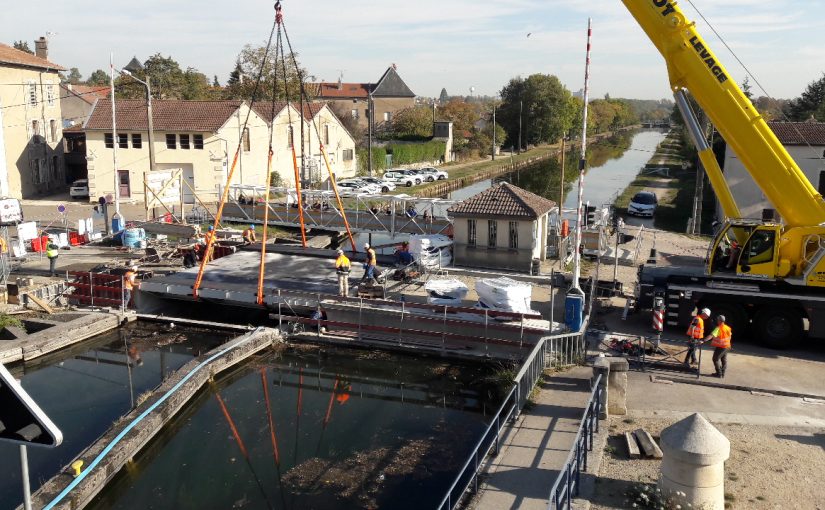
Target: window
326,134
50,94
122,141
354,114
184,142
197,141
760,248
247,146
36,131
492,233
387,116
513,235
171,142
55,167
347,154
137,141
471,232
53,130
109,140
289,137
32,94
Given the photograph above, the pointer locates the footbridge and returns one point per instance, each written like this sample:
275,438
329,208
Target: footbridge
372,214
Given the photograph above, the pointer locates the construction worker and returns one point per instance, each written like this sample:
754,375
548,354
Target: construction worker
249,235
695,333
129,285
720,339
52,252
208,238
342,268
369,265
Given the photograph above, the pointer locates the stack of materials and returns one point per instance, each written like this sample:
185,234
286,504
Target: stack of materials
431,251
505,295
445,292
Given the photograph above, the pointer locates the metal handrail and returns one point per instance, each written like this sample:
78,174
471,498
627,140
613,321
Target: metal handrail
569,477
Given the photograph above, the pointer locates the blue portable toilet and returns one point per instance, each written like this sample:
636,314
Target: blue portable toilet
574,311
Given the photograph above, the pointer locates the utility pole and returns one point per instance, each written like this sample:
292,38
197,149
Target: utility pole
370,116
151,125
494,129
561,176
115,138
520,105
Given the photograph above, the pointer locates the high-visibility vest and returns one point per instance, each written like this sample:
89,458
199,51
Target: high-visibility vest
129,280
249,234
697,328
3,247
342,264
722,336
371,257
51,251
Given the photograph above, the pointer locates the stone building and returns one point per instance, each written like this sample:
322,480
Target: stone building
31,123
503,227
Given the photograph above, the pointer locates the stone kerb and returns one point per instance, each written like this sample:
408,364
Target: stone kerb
693,466
614,385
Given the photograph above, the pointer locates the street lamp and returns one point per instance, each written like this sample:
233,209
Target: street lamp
128,71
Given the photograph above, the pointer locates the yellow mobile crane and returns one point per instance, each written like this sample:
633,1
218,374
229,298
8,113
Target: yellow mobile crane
766,275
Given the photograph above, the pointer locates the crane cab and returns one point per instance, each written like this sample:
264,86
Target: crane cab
747,249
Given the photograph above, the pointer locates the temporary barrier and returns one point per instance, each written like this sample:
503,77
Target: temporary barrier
96,289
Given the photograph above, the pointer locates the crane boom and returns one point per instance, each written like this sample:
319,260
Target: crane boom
693,66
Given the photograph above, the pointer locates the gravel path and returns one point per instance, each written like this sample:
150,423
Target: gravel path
769,467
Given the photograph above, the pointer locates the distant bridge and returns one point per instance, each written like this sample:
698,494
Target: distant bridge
372,214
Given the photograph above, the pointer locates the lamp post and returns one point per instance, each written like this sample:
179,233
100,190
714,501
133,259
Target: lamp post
115,139
494,129
520,107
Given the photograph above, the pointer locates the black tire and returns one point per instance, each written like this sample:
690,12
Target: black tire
409,184
431,179
385,189
441,177
735,317
778,328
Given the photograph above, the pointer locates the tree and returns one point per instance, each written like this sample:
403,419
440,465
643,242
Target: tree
746,88
241,84
23,46
349,122
74,77
235,75
215,82
99,77
412,123
547,109
443,97
463,116
811,101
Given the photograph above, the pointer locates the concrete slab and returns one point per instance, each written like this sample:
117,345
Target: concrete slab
537,446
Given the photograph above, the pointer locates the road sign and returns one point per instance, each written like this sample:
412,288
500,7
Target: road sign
101,200
61,208
21,419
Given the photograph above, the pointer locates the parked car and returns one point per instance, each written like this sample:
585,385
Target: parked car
350,188
384,185
432,174
415,174
643,204
401,178
79,189
363,183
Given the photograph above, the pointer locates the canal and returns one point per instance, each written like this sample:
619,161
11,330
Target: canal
85,388
316,428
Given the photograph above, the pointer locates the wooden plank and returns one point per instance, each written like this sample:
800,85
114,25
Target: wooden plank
632,446
647,443
42,304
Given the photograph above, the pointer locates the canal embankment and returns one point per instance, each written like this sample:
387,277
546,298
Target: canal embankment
109,454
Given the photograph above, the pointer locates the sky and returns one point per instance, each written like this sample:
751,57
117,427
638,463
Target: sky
454,44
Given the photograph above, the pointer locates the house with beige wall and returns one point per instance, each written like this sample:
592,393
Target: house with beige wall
31,123
201,138
503,227
389,95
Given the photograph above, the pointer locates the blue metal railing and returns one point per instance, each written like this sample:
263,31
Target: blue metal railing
550,350
569,477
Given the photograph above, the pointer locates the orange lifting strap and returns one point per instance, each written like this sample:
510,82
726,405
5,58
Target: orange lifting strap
262,265
335,190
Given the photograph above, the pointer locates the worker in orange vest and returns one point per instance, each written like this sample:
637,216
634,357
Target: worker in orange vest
720,340
249,236
209,237
369,265
129,285
695,333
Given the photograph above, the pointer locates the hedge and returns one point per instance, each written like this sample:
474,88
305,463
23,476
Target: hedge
408,153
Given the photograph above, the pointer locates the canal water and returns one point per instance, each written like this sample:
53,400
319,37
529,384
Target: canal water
316,428
87,387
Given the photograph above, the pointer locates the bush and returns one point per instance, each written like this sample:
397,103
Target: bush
379,159
408,153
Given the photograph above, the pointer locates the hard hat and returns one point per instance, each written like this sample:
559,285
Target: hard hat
366,245
134,268
720,318
706,312
252,226
340,252
211,228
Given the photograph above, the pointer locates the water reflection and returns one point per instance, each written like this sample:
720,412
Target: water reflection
318,429
85,388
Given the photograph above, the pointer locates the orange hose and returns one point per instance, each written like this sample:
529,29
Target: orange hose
269,415
262,266
211,239
300,200
337,196
232,426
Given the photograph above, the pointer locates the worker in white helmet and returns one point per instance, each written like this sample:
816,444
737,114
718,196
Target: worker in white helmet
695,334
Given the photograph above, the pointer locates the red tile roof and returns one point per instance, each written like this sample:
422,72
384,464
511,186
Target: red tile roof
11,56
88,93
503,201
799,133
325,90
167,115
264,109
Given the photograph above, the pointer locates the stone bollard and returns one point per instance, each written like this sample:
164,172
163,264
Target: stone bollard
602,368
617,386
693,466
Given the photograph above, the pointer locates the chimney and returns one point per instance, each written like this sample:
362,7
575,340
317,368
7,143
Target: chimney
41,48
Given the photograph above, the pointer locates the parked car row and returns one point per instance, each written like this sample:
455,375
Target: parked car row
389,181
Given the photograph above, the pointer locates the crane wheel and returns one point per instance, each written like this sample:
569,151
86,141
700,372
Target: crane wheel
735,317
779,328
